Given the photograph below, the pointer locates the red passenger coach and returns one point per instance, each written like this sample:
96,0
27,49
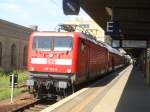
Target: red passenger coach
58,61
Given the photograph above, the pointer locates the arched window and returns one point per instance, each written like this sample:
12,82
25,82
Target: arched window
13,55
0,54
25,56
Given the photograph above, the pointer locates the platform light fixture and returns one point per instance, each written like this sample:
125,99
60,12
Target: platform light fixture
109,11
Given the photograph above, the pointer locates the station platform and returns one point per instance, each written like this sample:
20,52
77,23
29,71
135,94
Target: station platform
121,91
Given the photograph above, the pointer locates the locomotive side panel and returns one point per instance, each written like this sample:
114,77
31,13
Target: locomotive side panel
98,62
83,60
93,60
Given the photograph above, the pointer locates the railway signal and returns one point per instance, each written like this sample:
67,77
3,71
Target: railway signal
13,82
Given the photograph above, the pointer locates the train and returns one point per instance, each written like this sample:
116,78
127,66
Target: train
60,61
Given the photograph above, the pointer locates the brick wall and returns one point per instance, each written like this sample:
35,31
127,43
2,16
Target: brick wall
17,35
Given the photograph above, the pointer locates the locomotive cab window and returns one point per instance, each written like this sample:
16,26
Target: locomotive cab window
62,43
42,43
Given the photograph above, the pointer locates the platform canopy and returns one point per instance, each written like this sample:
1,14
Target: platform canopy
132,15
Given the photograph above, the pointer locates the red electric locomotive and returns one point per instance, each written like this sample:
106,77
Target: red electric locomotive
58,61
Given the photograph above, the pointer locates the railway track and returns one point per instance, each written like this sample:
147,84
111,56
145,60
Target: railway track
34,106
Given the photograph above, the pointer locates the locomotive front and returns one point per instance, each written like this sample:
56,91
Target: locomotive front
50,63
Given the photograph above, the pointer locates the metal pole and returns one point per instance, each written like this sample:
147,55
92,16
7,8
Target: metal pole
147,71
148,75
12,88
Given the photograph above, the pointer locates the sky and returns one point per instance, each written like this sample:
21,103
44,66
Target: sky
47,14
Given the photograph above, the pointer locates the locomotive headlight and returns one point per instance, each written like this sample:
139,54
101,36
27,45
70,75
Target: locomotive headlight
46,68
68,70
32,68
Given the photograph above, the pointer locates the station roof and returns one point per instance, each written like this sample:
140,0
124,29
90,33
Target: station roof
133,15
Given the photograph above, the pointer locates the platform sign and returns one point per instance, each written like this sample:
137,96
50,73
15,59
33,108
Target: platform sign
134,43
112,28
71,7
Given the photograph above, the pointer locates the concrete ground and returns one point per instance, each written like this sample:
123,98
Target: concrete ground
136,94
122,91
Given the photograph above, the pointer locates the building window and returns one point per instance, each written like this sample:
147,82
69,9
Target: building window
0,53
25,56
13,55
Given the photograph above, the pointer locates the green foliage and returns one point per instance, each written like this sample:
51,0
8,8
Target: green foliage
5,92
22,76
2,73
5,80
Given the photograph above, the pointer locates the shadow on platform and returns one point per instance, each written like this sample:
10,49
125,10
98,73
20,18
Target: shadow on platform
107,78
136,95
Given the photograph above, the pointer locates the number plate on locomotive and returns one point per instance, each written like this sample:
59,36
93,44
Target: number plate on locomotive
62,84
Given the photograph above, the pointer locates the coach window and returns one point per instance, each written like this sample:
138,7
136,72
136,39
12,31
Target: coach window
0,53
25,56
13,55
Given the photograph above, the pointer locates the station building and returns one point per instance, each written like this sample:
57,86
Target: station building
91,26
13,45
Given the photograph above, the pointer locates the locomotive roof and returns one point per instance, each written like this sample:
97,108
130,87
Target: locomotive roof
52,33
102,44
90,38
113,50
